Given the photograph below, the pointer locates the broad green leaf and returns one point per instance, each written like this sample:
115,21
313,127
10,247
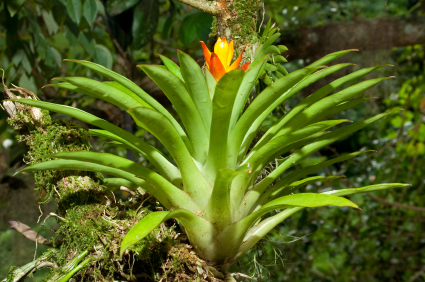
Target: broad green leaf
197,87
326,104
257,197
259,106
103,91
211,83
249,80
169,195
90,11
219,208
145,22
189,220
145,98
74,9
176,92
172,67
313,98
320,143
274,147
152,154
298,87
259,231
223,102
237,231
194,182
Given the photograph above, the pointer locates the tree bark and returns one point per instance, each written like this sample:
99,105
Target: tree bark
380,34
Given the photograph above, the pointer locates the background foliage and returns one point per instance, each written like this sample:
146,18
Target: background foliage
384,242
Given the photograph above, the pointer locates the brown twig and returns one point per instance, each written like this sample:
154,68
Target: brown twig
398,205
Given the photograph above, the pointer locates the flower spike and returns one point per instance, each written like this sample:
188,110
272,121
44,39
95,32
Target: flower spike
219,61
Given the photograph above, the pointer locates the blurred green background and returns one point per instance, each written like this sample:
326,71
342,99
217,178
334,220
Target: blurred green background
383,242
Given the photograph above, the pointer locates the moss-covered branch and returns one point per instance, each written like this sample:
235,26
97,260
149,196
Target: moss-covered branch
210,7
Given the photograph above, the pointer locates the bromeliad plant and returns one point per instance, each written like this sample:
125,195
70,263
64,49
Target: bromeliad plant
214,186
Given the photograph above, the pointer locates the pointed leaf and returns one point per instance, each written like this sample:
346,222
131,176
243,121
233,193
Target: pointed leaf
259,106
151,221
320,143
145,99
157,159
194,182
223,102
331,57
172,67
197,87
90,11
249,80
176,92
313,98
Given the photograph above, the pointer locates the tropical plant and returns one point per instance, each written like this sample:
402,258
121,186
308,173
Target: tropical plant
219,184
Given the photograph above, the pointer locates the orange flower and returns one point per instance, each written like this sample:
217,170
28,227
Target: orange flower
218,62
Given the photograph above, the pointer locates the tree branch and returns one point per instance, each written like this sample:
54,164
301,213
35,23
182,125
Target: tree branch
377,34
210,7
398,205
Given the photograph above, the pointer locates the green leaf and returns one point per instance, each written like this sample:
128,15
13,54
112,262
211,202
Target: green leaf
219,208
116,7
320,143
75,270
52,26
249,80
313,98
103,56
152,154
194,182
172,67
312,113
197,87
260,230
189,220
272,132
176,92
142,229
103,91
273,148
145,22
371,188
224,99
260,106
90,11
74,9
331,57
237,231
268,43
166,193
211,83
145,99
116,183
